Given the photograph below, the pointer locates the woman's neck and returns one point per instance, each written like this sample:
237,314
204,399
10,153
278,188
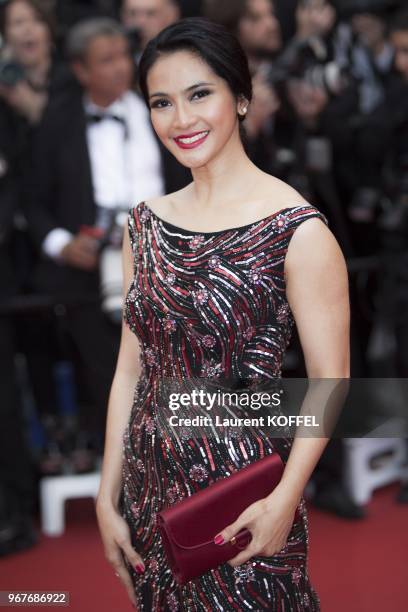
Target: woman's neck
229,174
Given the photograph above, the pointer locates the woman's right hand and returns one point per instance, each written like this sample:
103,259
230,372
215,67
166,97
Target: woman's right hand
25,100
117,543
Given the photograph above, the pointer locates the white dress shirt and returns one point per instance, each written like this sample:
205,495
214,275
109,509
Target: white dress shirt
124,170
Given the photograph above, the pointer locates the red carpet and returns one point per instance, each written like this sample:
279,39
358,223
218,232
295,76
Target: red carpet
362,566
354,566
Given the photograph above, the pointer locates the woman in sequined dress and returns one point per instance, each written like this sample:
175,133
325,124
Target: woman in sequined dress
213,290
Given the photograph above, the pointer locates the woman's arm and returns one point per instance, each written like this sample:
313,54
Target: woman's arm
121,396
317,292
114,530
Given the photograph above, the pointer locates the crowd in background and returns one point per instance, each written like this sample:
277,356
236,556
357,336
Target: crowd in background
329,116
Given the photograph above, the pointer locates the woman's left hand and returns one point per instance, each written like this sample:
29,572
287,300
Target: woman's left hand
269,520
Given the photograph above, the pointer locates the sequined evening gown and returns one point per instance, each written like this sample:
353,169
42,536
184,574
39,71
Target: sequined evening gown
207,304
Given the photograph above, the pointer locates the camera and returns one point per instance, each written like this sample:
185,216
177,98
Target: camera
300,60
135,43
11,72
111,278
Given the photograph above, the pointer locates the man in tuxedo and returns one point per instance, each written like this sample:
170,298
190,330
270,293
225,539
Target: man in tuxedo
94,154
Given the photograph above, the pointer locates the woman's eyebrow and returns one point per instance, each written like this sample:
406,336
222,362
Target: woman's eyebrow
163,94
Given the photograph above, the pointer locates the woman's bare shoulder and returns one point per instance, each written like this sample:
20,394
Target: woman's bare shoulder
162,204
278,194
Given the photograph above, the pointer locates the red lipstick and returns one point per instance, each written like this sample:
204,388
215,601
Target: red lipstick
195,143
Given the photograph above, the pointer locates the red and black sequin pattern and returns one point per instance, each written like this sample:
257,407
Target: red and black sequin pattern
209,305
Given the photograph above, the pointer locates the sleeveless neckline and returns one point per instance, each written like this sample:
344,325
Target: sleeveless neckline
229,229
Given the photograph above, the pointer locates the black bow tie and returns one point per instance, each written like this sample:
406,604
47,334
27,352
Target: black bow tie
97,118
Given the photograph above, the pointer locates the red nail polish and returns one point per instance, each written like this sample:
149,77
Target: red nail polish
139,568
219,539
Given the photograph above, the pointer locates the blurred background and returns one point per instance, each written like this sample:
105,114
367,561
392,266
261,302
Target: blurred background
330,117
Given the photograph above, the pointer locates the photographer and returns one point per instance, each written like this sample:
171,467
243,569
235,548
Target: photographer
29,69
314,18
255,24
319,95
16,468
143,19
372,54
370,58
31,75
399,162
93,157
383,144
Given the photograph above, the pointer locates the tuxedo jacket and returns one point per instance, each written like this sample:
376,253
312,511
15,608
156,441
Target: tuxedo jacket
8,199
59,191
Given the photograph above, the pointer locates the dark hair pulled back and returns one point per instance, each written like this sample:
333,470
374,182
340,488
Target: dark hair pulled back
210,41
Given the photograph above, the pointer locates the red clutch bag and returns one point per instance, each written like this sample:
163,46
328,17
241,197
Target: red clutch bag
188,527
